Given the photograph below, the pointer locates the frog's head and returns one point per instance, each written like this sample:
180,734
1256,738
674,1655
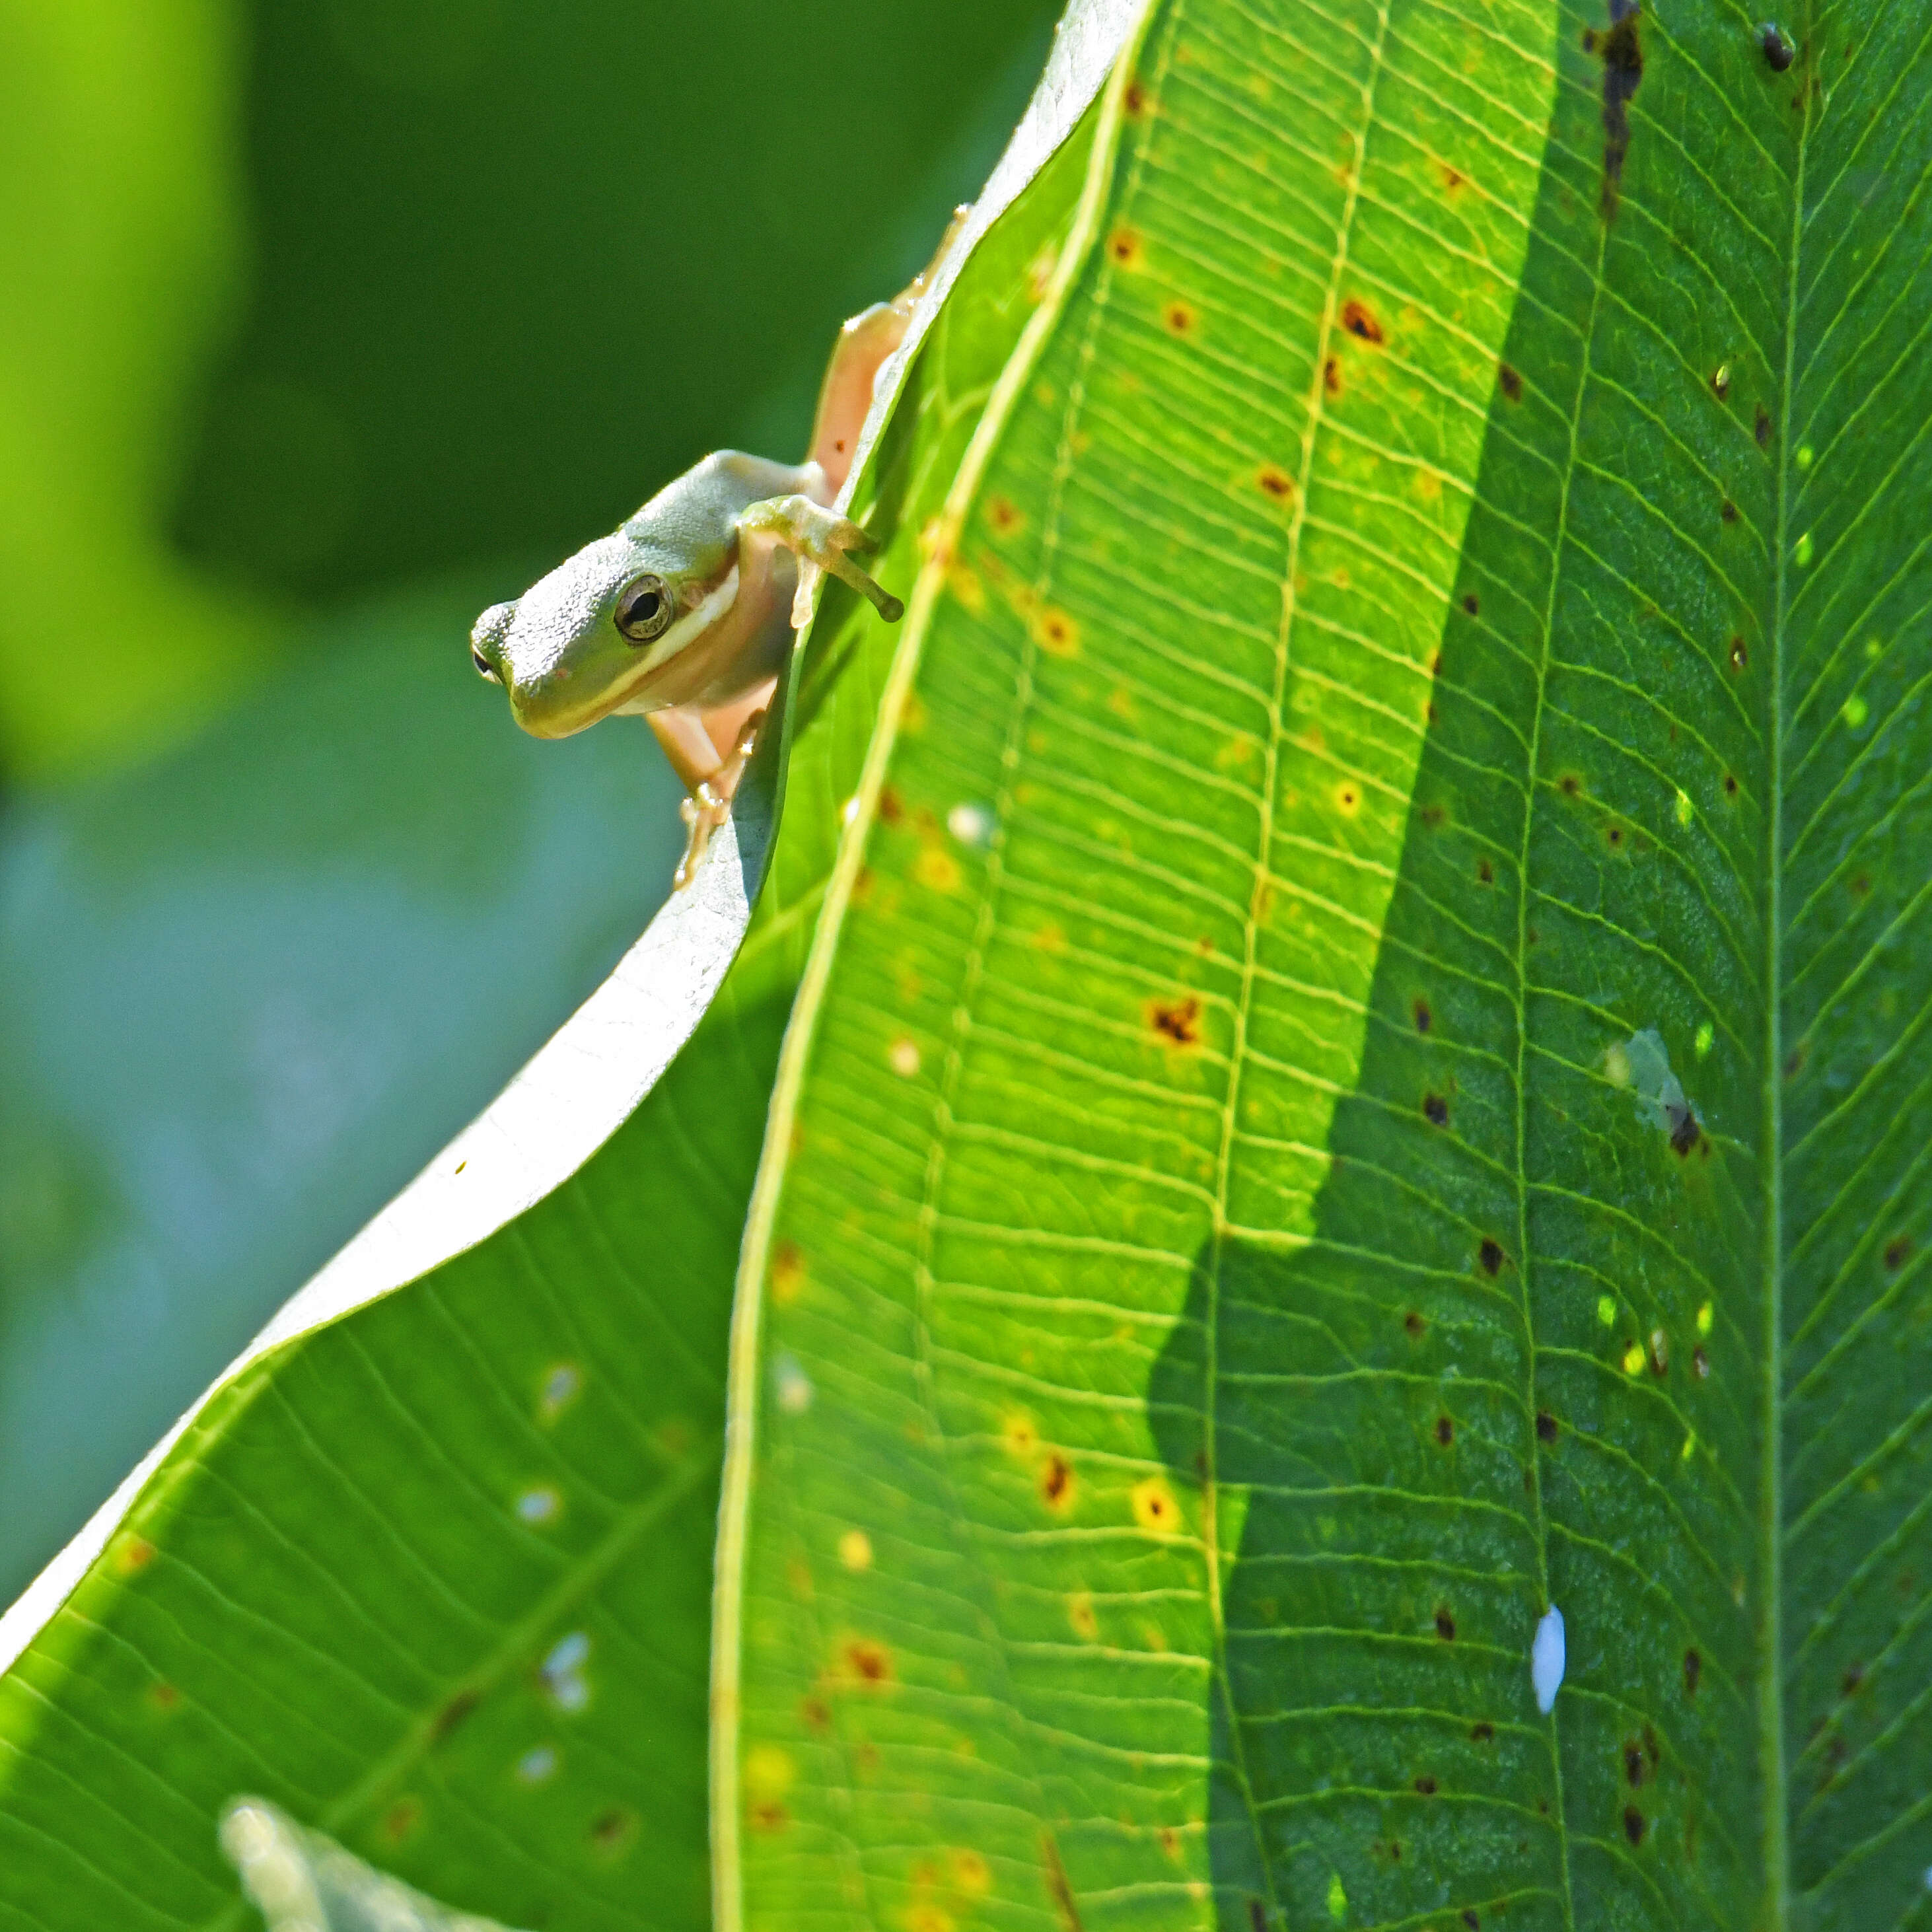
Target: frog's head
591,637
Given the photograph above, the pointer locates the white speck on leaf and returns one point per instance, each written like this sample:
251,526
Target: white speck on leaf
534,1766
1546,1659
970,824
792,1385
562,1672
539,1503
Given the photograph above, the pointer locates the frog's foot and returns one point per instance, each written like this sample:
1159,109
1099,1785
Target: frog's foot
703,811
822,537
709,805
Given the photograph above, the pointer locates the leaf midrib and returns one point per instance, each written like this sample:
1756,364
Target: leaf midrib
1771,1509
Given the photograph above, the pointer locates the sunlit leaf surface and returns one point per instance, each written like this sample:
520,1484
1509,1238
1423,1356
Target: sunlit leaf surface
1358,1115
1333,1327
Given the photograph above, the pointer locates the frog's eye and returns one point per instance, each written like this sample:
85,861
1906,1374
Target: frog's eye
644,609
484,667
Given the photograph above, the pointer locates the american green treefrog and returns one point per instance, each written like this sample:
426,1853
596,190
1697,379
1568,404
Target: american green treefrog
683,614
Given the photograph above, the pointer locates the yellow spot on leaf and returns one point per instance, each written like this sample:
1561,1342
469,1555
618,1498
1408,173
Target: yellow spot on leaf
1155,1509
1634,1359
936,869
1080,1615
855,1549
769,1772
787,1272
1058,633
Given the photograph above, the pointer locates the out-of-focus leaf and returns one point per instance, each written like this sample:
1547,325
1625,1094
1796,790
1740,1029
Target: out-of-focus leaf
119,253
1336,1324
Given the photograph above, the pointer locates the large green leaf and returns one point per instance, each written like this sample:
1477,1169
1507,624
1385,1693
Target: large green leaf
1363,1077
433,1579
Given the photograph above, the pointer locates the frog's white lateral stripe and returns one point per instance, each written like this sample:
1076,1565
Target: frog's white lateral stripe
689,626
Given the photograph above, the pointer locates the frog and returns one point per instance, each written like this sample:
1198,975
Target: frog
685,613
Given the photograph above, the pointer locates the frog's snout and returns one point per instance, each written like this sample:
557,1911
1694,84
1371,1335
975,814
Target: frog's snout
486,641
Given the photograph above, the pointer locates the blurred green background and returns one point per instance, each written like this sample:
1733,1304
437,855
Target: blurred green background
325,323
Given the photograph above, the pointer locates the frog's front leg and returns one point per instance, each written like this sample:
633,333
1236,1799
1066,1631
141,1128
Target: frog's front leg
710,776
815,535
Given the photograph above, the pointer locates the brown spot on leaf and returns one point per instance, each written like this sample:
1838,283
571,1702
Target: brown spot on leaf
1135,102
1425,1785
1693,1668
1730,785
1056,1481
452,1714
1435,1110
1761,427
813,1712
1177,1020
1621,53
1569,784
1472,603
1633,1824
1057,1884
1413,1324
1004,518
892,807
1545,1426
1257,1916
1511,381
1445,1431
1180,318
1728,511
1485,871
1275,481
1331,376
870,1663
401,1819
1482,1731
612,1831
1452,177
1424,1018
1633,1765
1490,1255
1898,1251
1359,321
1445,1626
768,1815
1124,246
1469,1918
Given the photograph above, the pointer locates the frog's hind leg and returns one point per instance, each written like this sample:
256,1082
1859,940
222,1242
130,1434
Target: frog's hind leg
710,776
863,345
